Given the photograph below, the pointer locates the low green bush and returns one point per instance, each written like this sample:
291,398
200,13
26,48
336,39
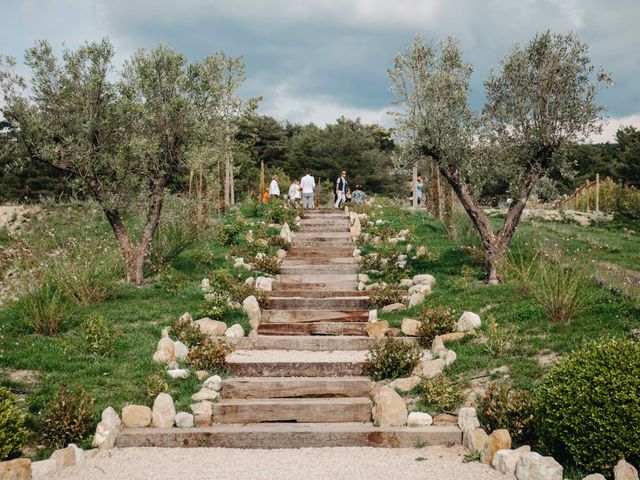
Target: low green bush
188,332
435,321
267,264
279,242
43,309
384,296
156,384
441,393
587,408
68,418
210,355
392,358
216,305
13,433
98,337
503,406
172,281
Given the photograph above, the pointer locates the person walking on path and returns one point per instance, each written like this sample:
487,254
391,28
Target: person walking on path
308,184
274,188
358,195
294,192
419,190
341,189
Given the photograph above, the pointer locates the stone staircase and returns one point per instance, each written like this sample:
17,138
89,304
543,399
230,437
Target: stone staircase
300,382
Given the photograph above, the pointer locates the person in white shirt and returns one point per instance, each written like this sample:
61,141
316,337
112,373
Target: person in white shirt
294,192
308,184
274,189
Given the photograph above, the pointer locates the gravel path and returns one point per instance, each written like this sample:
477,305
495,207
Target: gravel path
432,463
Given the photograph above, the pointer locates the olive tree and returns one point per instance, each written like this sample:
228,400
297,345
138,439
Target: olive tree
123,133
540,101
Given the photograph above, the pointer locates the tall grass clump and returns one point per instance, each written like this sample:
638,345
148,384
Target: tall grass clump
42,308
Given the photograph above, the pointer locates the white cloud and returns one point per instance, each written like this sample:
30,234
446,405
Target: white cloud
611,126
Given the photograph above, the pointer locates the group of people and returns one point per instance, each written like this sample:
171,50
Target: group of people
302,191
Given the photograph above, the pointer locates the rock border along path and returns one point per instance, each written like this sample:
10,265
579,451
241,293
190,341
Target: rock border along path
299,382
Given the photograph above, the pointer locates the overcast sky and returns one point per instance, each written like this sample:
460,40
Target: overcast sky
315,60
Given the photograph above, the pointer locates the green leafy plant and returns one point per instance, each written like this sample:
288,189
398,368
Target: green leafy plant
43,309
98,337
68,418
498,337
230,233
172,237
278,242
435,321
441,393
156,384
171,280
267,264
587,408
392,358
384,296
503,406
210,355
216,305
188,332
13,433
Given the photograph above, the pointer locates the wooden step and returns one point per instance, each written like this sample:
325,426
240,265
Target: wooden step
323,236
290,435
328,242
295,387
305,410
301,303
311,269
317,293
293,260
313,328
289,363
286,284
301,316
306,343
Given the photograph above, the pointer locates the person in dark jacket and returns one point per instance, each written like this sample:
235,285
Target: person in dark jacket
341,189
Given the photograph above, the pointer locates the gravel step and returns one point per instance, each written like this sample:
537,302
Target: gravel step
290,435
296,387
307,410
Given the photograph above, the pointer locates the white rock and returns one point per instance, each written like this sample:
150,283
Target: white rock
449,357
214,328
416,299
44,469
373,316
505,461
205,285
380,222
406,283
420,288
475,440
173,365
260,255
363,277
178,373
409,247
468,419
468,321
389,409
424,279
595,476
394,307
249,280
205,394
202,408
437,347
361,286
421,251
264,283
285,232
79,453
430,368
281,254
136,416
107,429
235,330
419,419
180,351
164,351
405,384
624,471
214,382
533,466
356,252
373,286
164,412
410,327
252,309
356,227
184,420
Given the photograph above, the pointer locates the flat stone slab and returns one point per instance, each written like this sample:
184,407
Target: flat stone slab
290,435
295,387
305,410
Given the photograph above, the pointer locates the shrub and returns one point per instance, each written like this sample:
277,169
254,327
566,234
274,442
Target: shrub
512,409
171,280
156,384
97,337
188,332
384,296
587,407
279,242
216,305
13,434
68,418
498,338
372,261
440,393
435,321
230,233
43,309
267,264
392,358
171,238
210,355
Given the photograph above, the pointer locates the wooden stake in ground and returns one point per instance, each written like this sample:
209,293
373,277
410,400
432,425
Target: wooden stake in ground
261,179
414,184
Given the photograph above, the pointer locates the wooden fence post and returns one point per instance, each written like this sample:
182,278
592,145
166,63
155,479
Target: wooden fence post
597,194
586,188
